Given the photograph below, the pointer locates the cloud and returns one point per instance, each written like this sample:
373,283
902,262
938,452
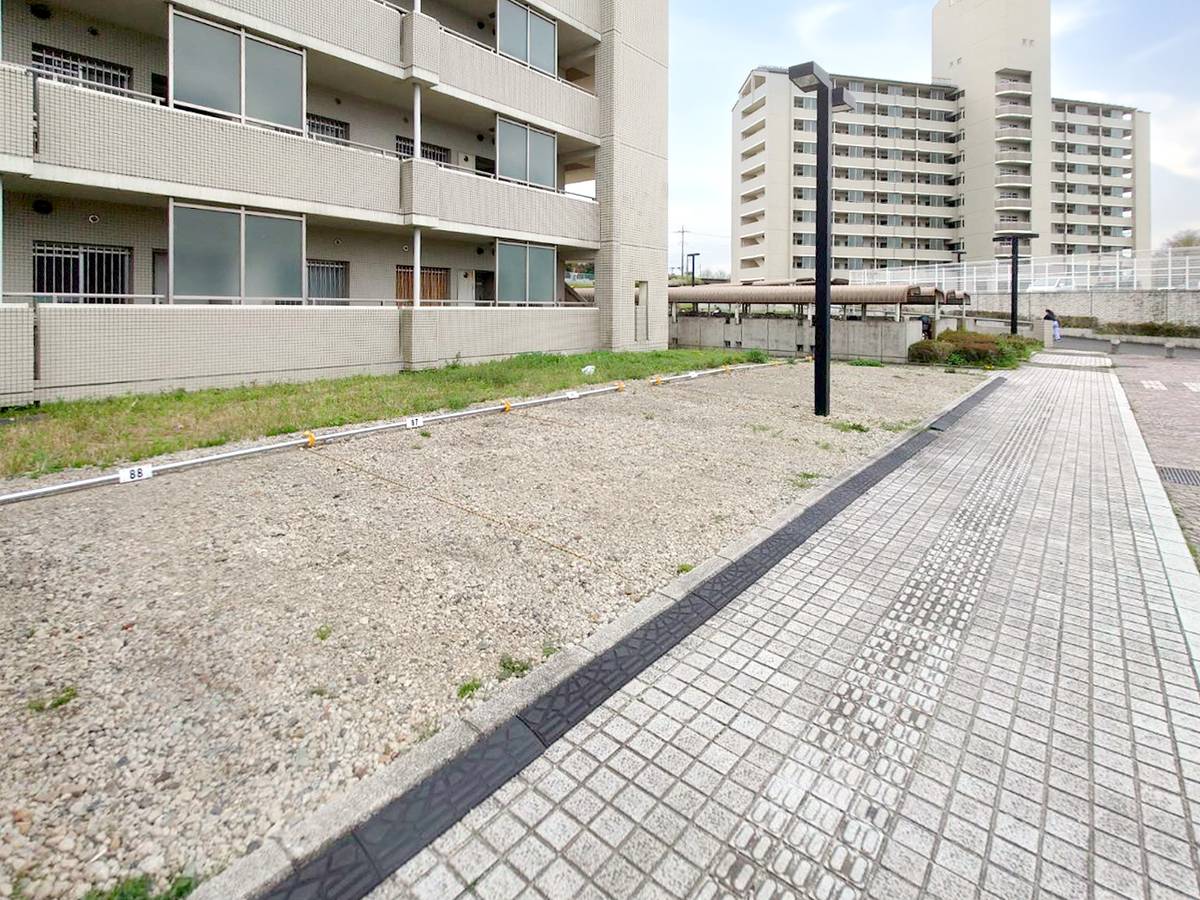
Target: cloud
1068,17
1156,50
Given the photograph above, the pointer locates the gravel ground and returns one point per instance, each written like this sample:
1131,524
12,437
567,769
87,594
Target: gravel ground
187,612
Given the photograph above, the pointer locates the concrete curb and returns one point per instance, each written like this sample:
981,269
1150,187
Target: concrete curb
283,856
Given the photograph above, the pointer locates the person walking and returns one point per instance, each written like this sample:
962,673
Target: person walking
1051,317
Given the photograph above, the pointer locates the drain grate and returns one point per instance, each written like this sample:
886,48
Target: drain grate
1190,477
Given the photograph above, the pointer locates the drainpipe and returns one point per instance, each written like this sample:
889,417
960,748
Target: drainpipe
416,291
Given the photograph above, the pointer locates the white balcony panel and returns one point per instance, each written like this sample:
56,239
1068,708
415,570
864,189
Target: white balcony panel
205,157
364,28
16,112
479,204
479,71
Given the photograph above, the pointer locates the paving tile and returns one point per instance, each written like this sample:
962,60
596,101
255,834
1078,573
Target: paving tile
969,680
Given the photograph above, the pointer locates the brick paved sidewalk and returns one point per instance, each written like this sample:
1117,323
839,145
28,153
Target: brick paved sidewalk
972,682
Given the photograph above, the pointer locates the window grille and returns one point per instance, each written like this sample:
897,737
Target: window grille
96,72
324,127
328,280
432,152
85,273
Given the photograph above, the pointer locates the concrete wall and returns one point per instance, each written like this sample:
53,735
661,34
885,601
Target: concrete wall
99,351
881,339
435,337
1177,307
96,351
16,355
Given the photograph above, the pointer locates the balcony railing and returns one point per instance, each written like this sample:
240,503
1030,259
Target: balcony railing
1014,156
1014,109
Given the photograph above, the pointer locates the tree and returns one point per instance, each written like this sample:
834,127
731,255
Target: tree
1189,237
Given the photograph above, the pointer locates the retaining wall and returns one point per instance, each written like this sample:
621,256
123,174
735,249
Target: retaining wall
882,339
1177,307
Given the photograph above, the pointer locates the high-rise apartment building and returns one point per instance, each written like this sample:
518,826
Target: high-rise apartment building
928,173
445,152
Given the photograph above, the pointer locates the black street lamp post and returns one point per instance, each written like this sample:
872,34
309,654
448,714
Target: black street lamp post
810,77
1014,277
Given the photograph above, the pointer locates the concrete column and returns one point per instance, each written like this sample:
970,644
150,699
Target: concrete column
417,154
416,267
631,173
1,238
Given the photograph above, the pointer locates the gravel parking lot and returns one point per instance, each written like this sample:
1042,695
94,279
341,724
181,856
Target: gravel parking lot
236,644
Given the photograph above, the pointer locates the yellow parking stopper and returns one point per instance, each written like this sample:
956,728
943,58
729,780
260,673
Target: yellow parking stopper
620,387
507,406
312,439
658,381
728,369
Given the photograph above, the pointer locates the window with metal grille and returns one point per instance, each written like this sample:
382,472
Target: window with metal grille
431,152
82,272
324,127
435,283
328,279
95,72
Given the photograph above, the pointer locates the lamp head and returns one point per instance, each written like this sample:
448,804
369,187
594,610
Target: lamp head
843,101
807,76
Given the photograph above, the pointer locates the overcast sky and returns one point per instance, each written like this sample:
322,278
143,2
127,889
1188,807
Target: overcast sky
1141,54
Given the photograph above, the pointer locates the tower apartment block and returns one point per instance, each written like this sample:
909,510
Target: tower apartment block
441,154
929,173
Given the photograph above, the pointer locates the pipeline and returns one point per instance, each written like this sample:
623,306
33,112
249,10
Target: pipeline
311,440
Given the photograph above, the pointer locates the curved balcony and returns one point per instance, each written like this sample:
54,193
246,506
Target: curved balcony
1020,157
1014,89
1014,203
1014,134
1013,111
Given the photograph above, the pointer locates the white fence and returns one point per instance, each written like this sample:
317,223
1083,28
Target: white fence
1177,270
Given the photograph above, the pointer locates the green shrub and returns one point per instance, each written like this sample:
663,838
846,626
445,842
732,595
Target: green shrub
1079,322
866,363
757,356
930,351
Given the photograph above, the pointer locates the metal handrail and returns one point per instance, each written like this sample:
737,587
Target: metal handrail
87,84
500,178
46,299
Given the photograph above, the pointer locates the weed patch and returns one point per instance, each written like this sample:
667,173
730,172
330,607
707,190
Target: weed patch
513,668
866,363
142,889
849,427
323,633
684,568
62,698
469,689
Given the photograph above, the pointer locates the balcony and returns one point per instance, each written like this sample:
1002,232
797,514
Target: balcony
16,112
1014,203
459,200
457,64
1014,156
1009,88
1013,111
369,30
199,157
1014,134
1020,227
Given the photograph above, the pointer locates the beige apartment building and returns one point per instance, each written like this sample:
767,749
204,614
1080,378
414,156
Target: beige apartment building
451,155
928,173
